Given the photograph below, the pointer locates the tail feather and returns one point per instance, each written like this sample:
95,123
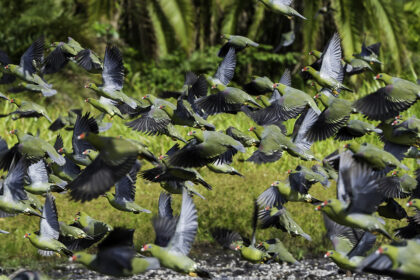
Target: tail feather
203,273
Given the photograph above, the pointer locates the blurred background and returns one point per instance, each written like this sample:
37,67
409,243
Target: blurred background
162,39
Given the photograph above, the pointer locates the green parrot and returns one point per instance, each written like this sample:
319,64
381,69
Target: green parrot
39,180
207,147
125,192
105,105
223,168
335,116
354,129
259,85
193,86
43,88
350,245
358,197
116,158
232,240
415,203
116,256
47,240
173,255
67,121
398,260
28,109
331,73
156,121
143,151
377,158
72,232
356,66
277,251
237,42
370,53
225,100
171,176
305,177
387,102
185,115
34,147
272,144
95,230
63,52
410,231
113,79
282,7
278,217
245,139
397,185
13,198
176,187
225,70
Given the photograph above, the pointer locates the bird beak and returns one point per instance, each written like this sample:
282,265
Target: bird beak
144,97
376,77
379,251
85,152
60,150
87,85
318,208
81,136
189,133
72,258
410,203
6,67
275,85
327,254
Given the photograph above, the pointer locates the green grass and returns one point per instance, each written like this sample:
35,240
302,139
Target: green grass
229,204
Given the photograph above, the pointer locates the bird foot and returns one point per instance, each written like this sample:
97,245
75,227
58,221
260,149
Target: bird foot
193,274
58,255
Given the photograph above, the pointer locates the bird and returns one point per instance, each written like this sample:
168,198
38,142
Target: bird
225,70
355,129
105,105
331,72
272,144
173,255
387,102
282,7
277,251
350,245
358,196
28,109
125,191
116,158
237,42
35,148
369,53
39,180
335,116
208,147
113,78
377,158
116,256
13,198
47,239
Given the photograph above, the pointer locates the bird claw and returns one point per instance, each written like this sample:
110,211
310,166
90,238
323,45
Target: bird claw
193,274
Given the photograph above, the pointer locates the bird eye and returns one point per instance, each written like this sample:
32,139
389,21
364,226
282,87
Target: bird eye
386,249
150,246
331,253
380,76
329,201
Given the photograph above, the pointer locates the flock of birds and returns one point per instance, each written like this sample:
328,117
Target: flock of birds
367,180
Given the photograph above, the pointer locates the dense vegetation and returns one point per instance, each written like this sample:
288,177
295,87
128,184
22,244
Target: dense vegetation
161,40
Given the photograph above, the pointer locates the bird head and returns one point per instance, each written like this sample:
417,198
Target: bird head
328,254
252,128
82,257
305,69
395,173
414,203
191,133
87,100
225,36
276,85
145,97
91,86
146,247
378,77
27,235
82,136
6,66
259,96
12,100
322,205
316,96
61,150
162,107
275,183
311,53
289,171
162,157
347,146
13,131
238,247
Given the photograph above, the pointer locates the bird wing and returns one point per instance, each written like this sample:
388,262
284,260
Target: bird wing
113,73
55,61
52,153
125,188
83,124
154,122
33,54
374,48
84,59
286,78
226,69
165,229
49,226
358,184
186,229
165,208
331,60
282,2
226,238
301,128
37,172
254,223
98,177
13,184
271,197
221,102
